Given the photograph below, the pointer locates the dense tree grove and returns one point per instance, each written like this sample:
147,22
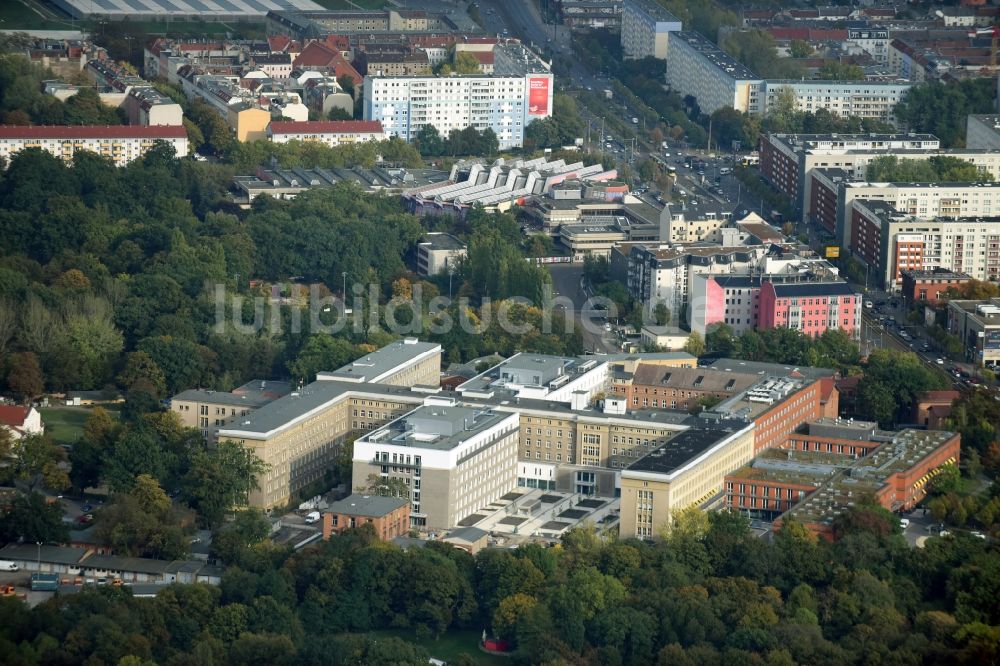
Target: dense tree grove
939,168
711,592
940,108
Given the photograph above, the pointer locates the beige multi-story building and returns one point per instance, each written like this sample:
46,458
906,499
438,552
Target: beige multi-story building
645,26
406,362
686,471
208,411
453,459
298,436
330,132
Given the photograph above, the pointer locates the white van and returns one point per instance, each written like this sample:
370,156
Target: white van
312,517
7,565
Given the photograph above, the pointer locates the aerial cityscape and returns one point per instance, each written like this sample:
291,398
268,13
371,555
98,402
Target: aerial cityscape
478,332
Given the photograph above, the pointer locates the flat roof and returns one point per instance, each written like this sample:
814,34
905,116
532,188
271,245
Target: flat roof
771,369
220,398
442,241
806,289
92,132
685,446
711,52
436,427
204,9
381,362
369,506
45,553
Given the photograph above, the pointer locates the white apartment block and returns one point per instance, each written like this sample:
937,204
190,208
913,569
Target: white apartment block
504,104
329,132
862,99
455,460
697,67
873,41
925,201
890,241
645,26
121,143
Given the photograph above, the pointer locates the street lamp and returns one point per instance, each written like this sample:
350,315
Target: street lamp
343,290
38,560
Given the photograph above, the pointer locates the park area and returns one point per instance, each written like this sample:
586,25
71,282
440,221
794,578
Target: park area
449,647
65,424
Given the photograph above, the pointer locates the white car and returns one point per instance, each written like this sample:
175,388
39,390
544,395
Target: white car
904,522
940,361
869,305
978,534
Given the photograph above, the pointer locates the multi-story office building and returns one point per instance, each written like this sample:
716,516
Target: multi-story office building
645,26
560,379
861,99
816,479
208,411
406,362
503,103
698,67
439,253
890,242
656,386
329,132
687,471
453,459
120,143
977,325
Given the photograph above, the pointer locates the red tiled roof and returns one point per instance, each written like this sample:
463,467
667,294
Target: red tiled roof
90,131
278,43
484,57
315,55
326,127
936,396
13,415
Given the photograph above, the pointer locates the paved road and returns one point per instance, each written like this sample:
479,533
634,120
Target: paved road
566,282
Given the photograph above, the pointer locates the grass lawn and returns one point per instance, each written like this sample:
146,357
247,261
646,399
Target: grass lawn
449,646
65,424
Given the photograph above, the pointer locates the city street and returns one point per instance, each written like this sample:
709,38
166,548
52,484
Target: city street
566,282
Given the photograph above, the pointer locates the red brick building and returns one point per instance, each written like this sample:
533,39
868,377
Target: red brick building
921,285
892,470
933,407
390,516
664,387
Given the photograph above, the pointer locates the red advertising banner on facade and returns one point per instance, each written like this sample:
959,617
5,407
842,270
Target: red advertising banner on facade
538,97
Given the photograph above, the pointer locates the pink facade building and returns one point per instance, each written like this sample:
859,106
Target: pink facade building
810,307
